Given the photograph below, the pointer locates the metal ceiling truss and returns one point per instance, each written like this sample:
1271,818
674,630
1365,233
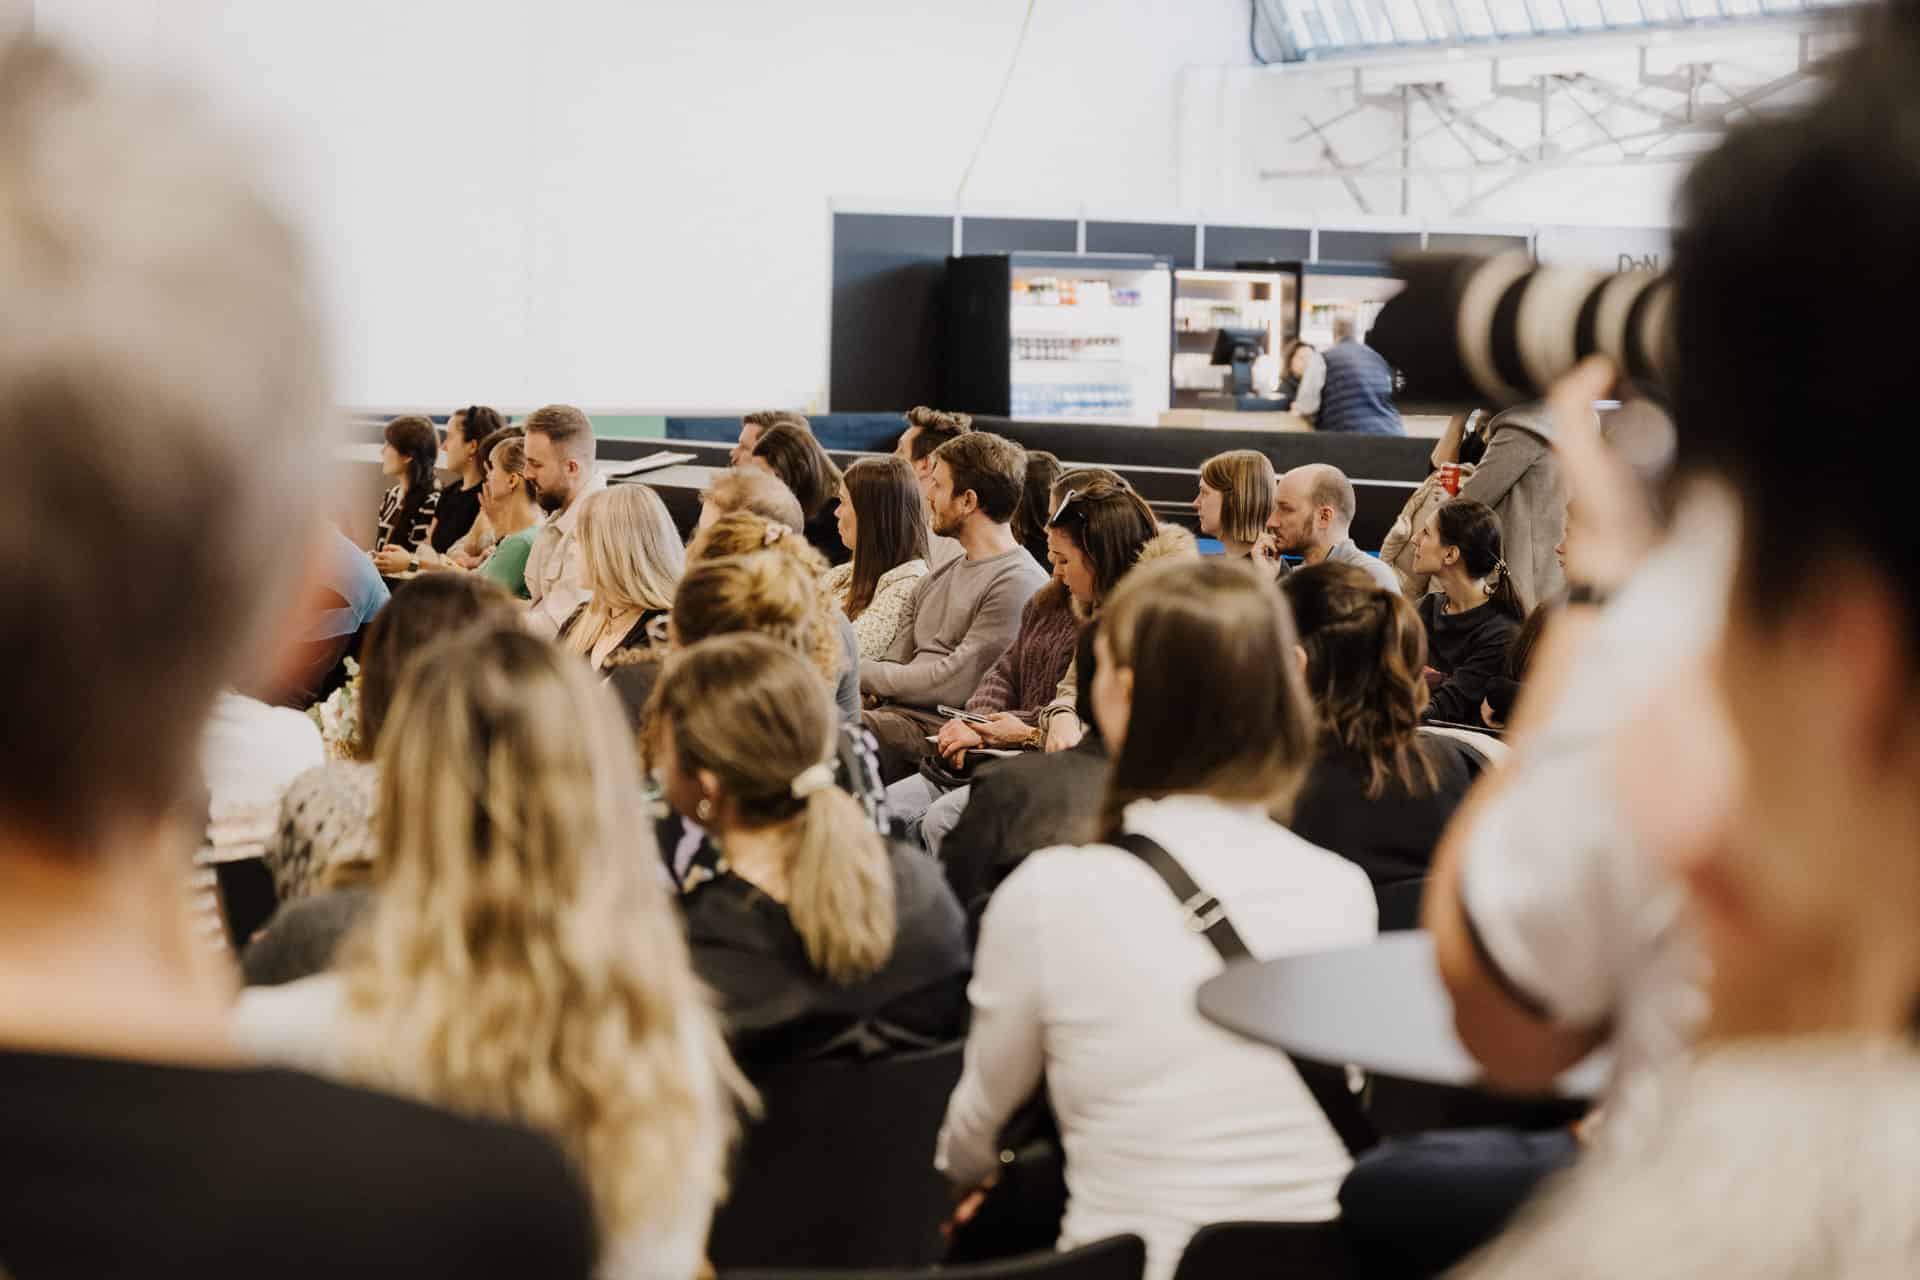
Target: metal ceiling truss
1315,30
1571,129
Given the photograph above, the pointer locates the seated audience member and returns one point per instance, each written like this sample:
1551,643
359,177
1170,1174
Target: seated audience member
160,400
1781,798
1380,792
769,592
560,449
1459,447
791,453
1356,392
882,518
928,429
325,816
1029,802
819,937
1519,478
1099,529
966,611
459,506
1304,378
1036,504
345,593
408,457
1472,620
1059,721
512,514
632,558
744,534
752,424
1236,497
521,960
1313,517
1087,964
760,492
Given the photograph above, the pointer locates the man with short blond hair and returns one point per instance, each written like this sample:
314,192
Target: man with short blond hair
560,449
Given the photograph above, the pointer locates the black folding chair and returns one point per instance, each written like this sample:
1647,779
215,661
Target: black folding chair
1266,1251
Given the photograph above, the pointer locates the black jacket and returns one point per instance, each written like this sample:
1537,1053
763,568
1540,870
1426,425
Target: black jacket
1471,649
1016,806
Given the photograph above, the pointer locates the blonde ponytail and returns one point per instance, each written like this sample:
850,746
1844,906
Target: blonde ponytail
750,711
840,888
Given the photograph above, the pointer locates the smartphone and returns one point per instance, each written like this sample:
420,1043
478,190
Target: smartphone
955,713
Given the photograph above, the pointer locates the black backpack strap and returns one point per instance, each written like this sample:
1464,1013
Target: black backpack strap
1206,917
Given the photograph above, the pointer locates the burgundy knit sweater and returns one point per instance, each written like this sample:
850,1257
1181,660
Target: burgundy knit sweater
1027,674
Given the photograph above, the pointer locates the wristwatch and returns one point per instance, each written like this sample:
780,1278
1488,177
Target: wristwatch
413,564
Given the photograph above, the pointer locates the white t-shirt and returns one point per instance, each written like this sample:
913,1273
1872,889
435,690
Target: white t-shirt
1086,967
1568,906
249,754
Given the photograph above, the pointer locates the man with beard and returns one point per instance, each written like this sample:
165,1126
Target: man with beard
966,612
560,468
1312,518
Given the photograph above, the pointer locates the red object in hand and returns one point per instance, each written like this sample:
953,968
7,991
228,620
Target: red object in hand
1450,478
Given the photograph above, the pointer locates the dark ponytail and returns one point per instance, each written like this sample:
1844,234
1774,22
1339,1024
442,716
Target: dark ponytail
1473,529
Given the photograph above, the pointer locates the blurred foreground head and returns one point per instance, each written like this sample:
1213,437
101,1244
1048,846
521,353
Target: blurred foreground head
162,385
1796,277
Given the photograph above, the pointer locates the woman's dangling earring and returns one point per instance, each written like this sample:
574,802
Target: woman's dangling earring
704,810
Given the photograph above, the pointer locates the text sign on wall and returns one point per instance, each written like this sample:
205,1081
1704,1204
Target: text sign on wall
1605,248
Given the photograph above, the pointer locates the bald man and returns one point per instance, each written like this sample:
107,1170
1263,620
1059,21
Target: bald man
1312,515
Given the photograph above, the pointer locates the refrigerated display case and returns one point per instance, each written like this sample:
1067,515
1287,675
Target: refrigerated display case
1206,302
1078,337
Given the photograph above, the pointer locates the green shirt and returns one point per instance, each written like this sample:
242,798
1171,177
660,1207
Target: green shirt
508,564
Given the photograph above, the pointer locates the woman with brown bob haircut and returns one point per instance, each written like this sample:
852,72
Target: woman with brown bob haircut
1236,497
793,456
1087,963
815,932
883,518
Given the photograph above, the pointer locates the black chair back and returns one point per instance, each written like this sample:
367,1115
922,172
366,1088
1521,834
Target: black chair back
1272,1250
1115,1258
1400,905
838,1171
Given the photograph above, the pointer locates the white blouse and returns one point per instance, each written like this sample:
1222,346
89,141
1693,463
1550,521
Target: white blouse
1086,970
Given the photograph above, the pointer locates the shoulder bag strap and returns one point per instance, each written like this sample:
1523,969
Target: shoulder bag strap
1206,917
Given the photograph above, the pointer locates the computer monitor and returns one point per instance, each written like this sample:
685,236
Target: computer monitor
1239,348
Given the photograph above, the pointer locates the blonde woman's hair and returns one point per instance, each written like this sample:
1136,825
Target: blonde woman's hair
522,961
751,712
1244,479
743,533
630,549
765,593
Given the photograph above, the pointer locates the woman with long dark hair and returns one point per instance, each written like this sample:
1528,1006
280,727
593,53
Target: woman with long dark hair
1380,791
882,517
1471,621
406,512
796,459
1087,963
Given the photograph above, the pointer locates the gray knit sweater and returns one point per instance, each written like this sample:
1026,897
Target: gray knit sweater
963,616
